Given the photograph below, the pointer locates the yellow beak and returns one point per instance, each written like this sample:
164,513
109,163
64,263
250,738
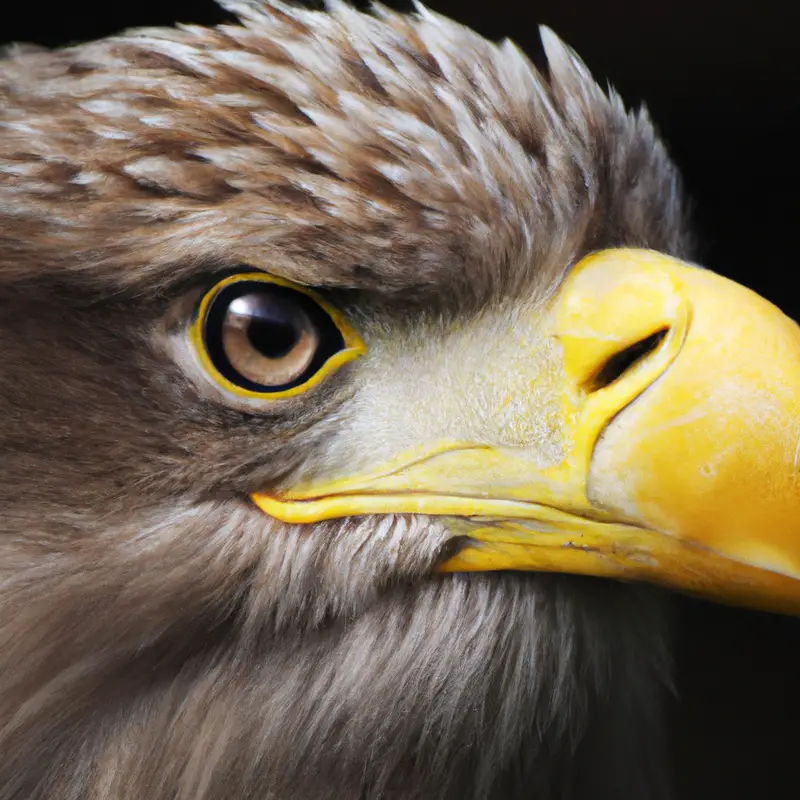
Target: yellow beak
679,424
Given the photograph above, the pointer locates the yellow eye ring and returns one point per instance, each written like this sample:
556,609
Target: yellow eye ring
266,338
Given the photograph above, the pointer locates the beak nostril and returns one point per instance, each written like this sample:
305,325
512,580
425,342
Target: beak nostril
626,359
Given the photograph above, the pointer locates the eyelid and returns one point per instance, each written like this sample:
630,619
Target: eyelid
354,346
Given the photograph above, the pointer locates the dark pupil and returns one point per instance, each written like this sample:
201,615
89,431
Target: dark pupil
275,327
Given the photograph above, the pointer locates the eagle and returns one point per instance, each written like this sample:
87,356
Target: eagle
362,408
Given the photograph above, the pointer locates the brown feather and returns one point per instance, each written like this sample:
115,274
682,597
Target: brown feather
159,637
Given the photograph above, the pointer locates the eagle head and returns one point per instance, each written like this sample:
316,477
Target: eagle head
356,388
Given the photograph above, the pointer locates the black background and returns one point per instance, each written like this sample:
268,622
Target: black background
722,82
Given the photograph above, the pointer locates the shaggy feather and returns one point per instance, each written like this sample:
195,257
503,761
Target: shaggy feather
159,637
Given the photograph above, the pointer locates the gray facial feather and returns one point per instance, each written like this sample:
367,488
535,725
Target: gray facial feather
161,638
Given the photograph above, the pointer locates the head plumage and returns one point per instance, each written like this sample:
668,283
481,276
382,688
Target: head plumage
336,148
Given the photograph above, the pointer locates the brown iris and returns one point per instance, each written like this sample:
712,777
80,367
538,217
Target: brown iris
267,337
267,341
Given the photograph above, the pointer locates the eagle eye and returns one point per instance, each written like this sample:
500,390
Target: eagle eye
263,337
